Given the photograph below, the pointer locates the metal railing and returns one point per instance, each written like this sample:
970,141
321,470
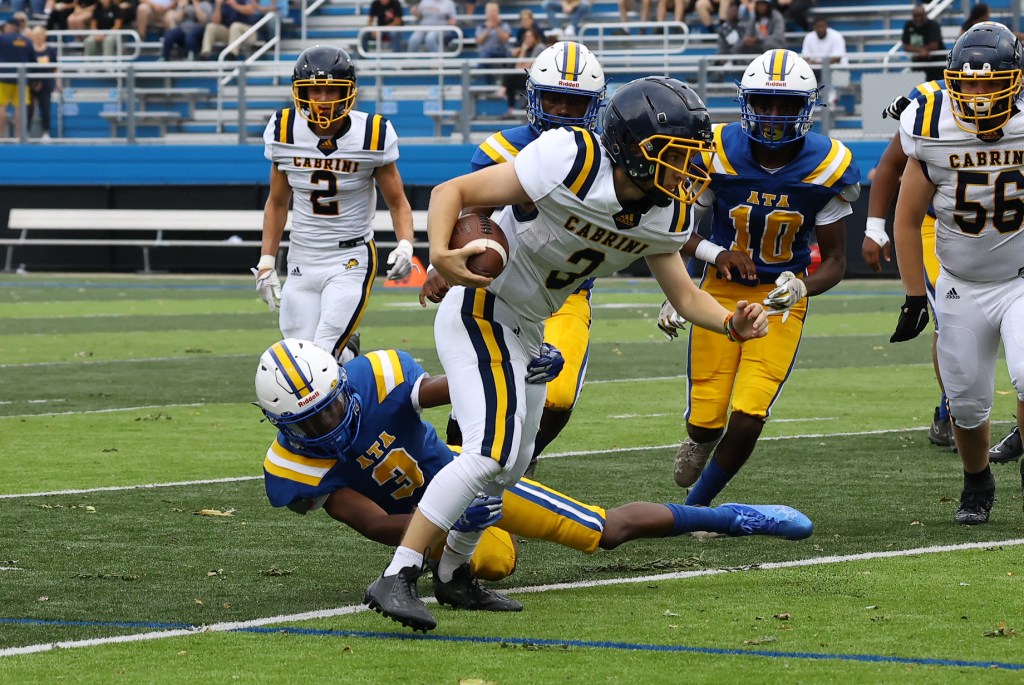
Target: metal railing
450,46
129,45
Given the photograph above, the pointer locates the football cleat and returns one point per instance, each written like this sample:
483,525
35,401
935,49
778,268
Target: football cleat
690,460
464,591
975,506
940,433
770,519
395,597
1008,449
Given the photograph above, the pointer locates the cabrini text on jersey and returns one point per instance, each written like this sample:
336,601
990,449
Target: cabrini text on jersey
344,166
987,158
604,236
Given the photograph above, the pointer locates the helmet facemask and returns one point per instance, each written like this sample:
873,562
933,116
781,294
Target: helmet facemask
324,113
670,155
982,113
543,121
782,126
329,425
565,69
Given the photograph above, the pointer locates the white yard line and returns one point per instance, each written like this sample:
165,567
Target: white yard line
102,411
359,608
145,486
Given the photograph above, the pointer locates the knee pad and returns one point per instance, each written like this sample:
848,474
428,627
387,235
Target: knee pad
969,414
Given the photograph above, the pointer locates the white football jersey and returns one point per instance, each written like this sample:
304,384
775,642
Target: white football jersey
334,196
578,229
979,198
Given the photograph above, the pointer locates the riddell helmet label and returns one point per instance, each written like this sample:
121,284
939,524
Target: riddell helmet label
569,84
306,400
776,83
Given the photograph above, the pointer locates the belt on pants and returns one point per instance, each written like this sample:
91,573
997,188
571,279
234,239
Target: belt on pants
355,242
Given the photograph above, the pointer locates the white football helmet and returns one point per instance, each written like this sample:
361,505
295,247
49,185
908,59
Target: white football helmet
778,72
565,67
306,395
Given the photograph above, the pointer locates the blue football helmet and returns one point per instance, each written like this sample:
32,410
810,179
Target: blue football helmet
567,68
987,57
777,73
656,125
323,65
305,393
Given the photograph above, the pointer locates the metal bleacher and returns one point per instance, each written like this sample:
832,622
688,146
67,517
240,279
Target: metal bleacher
431,97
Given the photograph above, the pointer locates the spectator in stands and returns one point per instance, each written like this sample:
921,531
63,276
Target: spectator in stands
679,9
575,10
527,22
825,43
921,37
978,14
14,48
150,12
530,46
22,20
707,8
42,88
626,6
765,30
796,11
730,31
492,36
189,20
432,13
230,19
106,17
81,18
386,13
57,12
129,11
36,6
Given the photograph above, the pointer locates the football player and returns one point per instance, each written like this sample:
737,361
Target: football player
964,145
599,203
327,157
876,246
351,441
565,87
812,181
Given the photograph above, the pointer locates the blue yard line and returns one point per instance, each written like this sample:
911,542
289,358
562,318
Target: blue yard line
641,647
151,625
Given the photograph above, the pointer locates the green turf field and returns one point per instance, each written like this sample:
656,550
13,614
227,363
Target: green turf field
125,408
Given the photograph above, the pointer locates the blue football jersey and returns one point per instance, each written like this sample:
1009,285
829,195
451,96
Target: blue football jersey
393,455
772,215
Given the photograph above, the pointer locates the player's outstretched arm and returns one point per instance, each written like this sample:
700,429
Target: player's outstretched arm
747,321
494,186
393,191
916,193
366,518
275,215
886,182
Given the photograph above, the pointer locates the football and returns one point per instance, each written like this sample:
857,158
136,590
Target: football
477,229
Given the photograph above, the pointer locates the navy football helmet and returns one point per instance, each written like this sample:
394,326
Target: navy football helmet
305,393
654,126
322,65
983,77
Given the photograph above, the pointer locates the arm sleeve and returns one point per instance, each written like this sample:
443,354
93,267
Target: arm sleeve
836,209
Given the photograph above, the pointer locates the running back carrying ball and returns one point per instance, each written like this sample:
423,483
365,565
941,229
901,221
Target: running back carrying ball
477,229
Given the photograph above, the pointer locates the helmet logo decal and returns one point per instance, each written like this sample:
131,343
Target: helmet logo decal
306,400
569,84
298,383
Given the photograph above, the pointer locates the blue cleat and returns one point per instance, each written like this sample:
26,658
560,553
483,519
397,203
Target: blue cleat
770,519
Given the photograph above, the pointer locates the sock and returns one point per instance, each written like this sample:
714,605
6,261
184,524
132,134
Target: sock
982,480
404,556
943,409
689,519
710,483
451,560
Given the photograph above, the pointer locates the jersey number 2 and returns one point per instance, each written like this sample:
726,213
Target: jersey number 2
318,198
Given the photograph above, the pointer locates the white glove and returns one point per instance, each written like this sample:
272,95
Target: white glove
400,261
669,320
268,287
789,290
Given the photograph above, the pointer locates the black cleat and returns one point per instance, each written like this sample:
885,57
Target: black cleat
1008,449
353,345
975,506
453,434
940,433
395,597
464,591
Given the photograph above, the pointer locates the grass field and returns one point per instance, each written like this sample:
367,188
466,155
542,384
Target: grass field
125,409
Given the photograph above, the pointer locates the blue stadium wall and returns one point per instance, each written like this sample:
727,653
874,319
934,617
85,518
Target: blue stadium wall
222,177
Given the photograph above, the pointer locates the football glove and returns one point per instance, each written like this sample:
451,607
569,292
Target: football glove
400,261
545,367
913,318
483,511
268,287
896,107
669,320
788,291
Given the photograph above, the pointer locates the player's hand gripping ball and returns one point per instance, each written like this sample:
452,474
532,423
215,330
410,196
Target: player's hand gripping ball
474,230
